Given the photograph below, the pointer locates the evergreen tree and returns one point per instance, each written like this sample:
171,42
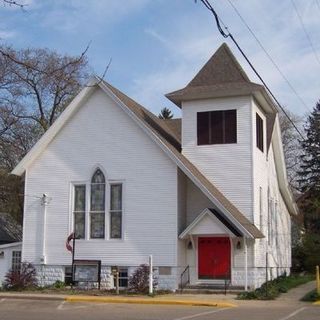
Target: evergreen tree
305,253
165,113
310,160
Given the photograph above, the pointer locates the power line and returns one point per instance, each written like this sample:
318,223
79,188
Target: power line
207,4
269,56
305,31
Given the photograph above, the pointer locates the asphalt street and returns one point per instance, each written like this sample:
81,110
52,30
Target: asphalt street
11,309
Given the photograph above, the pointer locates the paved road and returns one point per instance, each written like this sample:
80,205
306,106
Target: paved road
11,309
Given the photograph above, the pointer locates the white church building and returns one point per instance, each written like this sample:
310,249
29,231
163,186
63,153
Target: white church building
206,195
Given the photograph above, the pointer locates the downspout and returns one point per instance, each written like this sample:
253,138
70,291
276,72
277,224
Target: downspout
44,202
245,264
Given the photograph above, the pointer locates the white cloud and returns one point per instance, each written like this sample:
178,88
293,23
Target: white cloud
6,34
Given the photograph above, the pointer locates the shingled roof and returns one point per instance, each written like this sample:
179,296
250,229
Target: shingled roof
168,132
221,76
10,230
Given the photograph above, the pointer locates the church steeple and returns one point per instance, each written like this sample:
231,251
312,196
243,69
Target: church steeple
222,67
221,76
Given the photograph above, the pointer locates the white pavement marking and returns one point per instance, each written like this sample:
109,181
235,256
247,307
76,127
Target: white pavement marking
2,300
293,313
62,306
201,314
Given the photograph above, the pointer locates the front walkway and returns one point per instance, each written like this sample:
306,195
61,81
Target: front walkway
297,293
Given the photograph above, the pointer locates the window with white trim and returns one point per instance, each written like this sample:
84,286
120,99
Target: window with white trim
123,278
116,211
89,208
97,205
16,261
79,210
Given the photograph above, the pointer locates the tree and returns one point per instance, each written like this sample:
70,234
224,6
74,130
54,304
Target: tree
165,113
307,252
291,146
36,85
309,176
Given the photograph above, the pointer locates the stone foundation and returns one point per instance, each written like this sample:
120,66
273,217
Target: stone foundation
256,276
48,274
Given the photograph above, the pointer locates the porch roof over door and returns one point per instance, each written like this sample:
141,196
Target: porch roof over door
210,222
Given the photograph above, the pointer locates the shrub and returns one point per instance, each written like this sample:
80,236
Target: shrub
311,296
272,289
59,285
139,280
23,279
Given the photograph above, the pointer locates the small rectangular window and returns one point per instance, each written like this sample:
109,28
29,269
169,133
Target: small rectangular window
68,275
164,271
16,261
123,278
79,210
217,127
116,211
259,132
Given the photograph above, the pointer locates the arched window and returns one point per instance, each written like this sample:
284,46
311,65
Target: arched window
97,205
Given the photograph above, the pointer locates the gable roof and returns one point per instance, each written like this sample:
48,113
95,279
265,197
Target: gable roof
219,221
222,76
163,132
10,230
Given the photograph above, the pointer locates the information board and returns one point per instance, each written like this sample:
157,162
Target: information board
86,270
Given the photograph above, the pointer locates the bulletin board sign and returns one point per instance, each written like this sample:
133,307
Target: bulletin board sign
87,271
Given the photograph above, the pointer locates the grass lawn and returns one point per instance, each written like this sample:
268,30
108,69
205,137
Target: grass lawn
272,289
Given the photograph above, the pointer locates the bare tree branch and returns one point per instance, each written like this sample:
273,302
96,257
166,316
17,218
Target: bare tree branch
14,3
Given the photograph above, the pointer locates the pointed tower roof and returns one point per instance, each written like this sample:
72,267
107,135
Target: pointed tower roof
222,67
221,76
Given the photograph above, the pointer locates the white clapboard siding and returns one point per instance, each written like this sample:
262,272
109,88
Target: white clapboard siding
101,135
266,177
227,166
6,258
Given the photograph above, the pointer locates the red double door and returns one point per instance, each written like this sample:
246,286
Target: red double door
214,258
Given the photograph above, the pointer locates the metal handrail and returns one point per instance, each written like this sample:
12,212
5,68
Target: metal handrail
182,283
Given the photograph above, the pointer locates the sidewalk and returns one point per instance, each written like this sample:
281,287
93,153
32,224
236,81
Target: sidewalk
297,293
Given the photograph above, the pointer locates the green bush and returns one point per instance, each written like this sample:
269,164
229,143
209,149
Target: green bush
272,289
59,284
311,296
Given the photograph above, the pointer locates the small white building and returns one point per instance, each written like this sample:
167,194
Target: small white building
10,245
206,194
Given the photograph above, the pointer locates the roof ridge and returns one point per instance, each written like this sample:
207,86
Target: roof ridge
139,108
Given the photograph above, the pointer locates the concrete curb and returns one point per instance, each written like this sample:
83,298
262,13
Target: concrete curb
156,301
33,297
100,299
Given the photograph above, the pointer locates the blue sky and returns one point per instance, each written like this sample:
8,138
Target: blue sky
157,46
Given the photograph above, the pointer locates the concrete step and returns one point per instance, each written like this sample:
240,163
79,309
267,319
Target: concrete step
212,288
210,291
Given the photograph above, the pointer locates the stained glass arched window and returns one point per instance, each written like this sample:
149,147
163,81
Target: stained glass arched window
97,205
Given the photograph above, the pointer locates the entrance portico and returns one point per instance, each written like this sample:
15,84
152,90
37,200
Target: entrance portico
211,241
